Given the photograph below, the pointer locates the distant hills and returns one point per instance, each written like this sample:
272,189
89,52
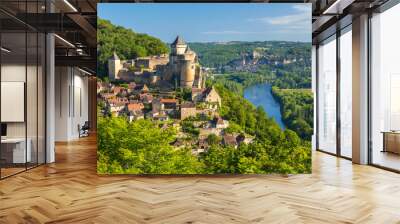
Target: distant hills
218,54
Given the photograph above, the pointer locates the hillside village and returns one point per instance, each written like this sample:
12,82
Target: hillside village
251,61
170,90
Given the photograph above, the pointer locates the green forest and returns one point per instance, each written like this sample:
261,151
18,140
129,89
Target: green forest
218,54
296,109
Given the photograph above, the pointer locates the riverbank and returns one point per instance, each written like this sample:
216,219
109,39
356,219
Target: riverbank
261,95
297,109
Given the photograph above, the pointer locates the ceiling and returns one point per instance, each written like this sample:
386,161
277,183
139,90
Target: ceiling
330,15
73,21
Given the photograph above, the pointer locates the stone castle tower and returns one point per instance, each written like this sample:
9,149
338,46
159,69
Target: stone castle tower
183,65
114,65
180,67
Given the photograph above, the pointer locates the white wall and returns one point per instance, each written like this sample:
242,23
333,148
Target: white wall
61,103
71,103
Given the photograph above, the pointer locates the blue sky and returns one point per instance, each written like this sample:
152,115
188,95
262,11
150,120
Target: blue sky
213,22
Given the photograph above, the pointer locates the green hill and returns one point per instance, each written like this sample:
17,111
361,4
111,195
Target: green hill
219,54
125,42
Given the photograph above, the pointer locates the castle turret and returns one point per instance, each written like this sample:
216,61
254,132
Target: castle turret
183,66
178,46
188,71
114,65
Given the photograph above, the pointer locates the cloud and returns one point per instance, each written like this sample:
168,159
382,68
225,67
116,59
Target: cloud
302,7
285,20
295,22
299,18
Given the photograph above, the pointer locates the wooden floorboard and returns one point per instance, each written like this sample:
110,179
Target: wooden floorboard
70,191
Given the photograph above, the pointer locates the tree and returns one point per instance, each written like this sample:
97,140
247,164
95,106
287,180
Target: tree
213,139
146,151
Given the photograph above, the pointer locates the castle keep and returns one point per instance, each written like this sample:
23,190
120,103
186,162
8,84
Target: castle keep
181,67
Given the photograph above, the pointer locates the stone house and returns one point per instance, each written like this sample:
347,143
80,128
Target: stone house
208,95
135,115
229,140
212,96
188,109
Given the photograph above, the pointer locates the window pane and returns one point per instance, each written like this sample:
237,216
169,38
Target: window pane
327,95
13,86
346,93
385,92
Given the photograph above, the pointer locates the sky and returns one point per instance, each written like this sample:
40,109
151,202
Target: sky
213,22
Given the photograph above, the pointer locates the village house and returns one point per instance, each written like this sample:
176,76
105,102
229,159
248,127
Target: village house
168,103
116,108
152,114
117,89
203,144
178,143
242,138
221,123
164,105
229,140
161,116
208,95
141,88
116,100
146,98
212,96
131,86
208,131
197,94
135,115
135,107
104,87
107,96
188,109
157,106
100,87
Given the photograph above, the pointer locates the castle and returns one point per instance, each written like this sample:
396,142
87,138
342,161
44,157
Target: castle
181,67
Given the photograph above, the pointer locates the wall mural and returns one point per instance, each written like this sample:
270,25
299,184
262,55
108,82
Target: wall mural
192,89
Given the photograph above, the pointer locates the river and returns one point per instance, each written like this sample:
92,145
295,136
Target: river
260,95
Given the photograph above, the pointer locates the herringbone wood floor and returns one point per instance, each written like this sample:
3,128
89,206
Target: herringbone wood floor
70,191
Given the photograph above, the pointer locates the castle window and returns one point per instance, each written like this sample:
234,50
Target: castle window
192,66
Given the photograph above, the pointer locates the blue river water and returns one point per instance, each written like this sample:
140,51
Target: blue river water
260,95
